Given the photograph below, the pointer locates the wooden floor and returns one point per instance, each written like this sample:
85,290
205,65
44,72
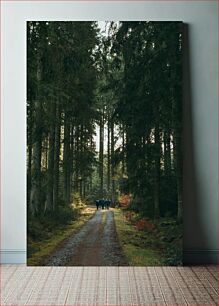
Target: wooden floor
23,285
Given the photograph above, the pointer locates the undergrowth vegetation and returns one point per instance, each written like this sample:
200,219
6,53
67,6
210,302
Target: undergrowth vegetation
149,242
47,231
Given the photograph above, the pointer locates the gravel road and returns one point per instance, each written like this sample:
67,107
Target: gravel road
95,244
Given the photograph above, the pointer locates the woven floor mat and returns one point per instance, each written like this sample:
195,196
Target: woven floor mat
21,285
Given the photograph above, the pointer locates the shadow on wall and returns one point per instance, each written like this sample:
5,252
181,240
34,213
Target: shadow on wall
194,232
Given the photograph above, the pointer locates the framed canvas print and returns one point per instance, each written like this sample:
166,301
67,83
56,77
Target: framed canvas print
104,150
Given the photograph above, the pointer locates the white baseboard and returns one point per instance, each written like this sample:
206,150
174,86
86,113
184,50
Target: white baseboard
192,257
13,256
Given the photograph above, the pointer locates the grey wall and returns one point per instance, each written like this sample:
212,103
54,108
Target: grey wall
200,112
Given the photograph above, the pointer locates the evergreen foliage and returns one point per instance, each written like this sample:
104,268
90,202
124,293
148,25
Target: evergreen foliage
123,88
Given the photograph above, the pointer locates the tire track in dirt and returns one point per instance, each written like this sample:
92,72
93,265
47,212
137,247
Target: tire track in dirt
95,244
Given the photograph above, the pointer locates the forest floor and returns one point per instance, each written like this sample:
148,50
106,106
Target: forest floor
158,244
54,237
95,244
108,238
133,243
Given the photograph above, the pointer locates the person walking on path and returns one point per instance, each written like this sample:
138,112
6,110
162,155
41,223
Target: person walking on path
102,202
108,202
97,204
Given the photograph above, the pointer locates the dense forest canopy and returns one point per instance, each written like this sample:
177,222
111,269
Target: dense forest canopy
104,115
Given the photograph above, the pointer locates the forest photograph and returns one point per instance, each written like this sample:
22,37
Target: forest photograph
104,143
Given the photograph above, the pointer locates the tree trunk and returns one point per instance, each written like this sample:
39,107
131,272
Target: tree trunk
167,153
36,152
84,189
76,177
29,172
108,156
101,154
80,188
112,162
177,133
178,169
157,171
45,152
56,157
71,158
66,159
81,152
50,171
123,150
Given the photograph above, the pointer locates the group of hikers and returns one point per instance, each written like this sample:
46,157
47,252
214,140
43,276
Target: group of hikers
103,203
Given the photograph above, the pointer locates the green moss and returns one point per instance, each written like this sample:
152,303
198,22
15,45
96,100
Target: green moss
134,243
138,256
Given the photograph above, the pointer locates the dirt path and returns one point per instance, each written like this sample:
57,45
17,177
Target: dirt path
95,244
